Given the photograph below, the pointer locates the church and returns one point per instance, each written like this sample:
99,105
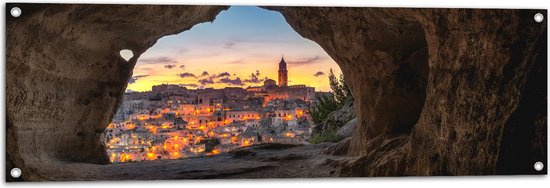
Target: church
281,90
283,73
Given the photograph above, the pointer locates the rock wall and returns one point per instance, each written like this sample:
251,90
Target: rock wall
480,63
336,119
65,76
437,91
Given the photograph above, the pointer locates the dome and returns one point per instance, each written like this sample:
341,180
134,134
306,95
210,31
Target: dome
269,82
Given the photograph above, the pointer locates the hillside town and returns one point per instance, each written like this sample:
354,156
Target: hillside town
173,122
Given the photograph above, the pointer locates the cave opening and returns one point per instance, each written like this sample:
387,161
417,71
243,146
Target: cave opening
382,62
60,99
246,78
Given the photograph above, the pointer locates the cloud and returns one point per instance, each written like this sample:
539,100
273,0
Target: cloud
169,66
183,50
133,79
223,74
182,66
205,75
236,82
308,60
228,45
255,78
189,85
158,60
206,81
319,73
186,74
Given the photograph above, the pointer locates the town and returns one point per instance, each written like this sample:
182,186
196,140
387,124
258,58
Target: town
173,122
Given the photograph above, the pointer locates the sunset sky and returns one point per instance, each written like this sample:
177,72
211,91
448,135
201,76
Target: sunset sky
240,48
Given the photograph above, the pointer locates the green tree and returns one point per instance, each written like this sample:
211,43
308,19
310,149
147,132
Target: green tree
340,90
324,106
340,95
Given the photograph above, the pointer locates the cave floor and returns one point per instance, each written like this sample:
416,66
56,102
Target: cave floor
265,161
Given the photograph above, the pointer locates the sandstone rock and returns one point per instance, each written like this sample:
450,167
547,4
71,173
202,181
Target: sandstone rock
347,130
453,83
65,76
387,156
336,119
340,148
273,162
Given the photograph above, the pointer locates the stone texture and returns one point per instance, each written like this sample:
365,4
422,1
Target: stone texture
66,77
267,162
348,129
437,91
340,148
447,87
336,119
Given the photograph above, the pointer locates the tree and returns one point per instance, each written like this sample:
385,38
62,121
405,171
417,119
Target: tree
340,95
324,106
340,90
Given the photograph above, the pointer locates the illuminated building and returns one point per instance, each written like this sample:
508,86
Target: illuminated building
172,122
283,73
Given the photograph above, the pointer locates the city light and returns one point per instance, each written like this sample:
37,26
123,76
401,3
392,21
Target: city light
245,143
151,156
184,129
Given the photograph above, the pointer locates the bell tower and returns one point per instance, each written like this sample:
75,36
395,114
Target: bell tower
283,73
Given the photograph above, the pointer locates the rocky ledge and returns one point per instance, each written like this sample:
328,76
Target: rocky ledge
262,161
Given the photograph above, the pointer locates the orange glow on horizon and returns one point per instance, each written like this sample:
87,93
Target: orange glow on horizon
200,53
302,74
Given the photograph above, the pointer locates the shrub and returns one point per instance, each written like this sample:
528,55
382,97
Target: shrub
325,104
325,137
